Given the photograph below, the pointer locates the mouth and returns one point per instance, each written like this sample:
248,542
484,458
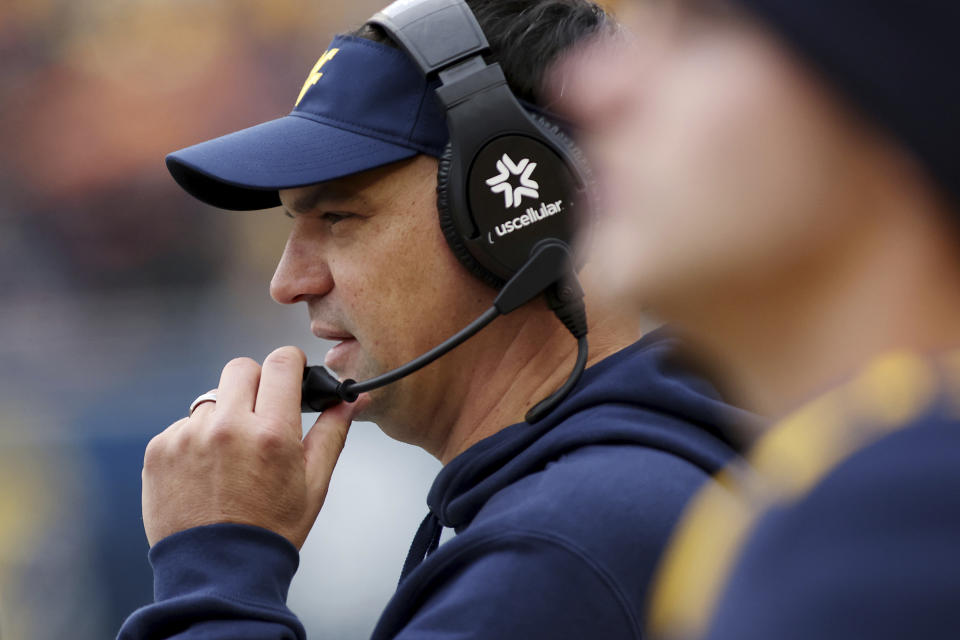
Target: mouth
339,354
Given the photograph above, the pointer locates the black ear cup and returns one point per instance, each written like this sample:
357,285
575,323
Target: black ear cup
588,210
579,157
449,228
552,136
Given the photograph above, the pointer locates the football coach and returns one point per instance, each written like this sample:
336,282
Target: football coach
430,192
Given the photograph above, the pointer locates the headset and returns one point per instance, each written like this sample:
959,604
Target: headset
512,191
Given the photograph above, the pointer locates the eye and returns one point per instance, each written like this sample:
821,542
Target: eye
333,217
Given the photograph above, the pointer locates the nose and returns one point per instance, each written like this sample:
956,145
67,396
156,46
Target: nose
303,270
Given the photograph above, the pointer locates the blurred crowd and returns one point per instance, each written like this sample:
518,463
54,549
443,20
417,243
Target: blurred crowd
122,295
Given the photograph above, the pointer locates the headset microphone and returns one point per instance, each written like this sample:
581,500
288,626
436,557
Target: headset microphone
512,190
549,269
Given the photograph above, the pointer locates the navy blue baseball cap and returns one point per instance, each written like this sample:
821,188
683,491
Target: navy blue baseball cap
363,105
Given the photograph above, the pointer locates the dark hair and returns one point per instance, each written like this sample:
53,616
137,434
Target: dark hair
526,36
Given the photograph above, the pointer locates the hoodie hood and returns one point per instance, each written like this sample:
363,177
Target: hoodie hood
653,402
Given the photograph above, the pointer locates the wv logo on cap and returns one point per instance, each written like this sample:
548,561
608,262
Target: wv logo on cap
315,73
512,196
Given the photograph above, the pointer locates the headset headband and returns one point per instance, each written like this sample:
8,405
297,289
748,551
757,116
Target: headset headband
436,34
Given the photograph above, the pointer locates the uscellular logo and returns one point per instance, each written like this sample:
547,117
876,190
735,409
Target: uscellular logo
500,183
513,196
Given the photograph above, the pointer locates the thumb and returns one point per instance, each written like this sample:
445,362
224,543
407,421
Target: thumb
322,447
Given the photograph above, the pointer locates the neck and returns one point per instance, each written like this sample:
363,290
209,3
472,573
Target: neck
533,357
898,288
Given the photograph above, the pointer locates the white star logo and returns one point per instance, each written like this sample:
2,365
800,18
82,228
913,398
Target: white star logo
513,195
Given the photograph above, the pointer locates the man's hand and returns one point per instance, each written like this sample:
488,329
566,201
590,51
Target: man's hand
241,458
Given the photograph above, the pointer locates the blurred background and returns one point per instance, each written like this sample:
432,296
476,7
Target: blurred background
122,298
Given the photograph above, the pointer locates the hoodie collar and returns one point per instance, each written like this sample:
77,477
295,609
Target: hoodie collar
645,376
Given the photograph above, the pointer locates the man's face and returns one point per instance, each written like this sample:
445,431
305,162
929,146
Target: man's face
368,258
728,171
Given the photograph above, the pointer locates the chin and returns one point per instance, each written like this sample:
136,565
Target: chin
367,414
351,363
384,410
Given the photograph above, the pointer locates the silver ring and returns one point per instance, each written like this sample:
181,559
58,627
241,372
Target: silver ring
205,397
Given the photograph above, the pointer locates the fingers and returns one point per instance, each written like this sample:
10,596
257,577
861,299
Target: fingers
238,386
175,427
156,448
278,396
323,444
204,408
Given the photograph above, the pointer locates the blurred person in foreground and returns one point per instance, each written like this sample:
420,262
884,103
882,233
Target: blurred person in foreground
559,522
785,192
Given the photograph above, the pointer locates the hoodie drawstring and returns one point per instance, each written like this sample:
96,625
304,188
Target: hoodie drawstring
425,542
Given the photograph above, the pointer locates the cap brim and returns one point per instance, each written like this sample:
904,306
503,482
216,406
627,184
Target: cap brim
243,171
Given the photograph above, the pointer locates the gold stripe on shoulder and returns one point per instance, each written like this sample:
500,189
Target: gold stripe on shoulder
888,395
698,559
787,462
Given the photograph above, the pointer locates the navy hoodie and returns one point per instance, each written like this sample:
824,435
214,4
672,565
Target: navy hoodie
559,524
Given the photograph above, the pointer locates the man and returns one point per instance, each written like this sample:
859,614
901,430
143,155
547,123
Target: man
787,195
559,522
